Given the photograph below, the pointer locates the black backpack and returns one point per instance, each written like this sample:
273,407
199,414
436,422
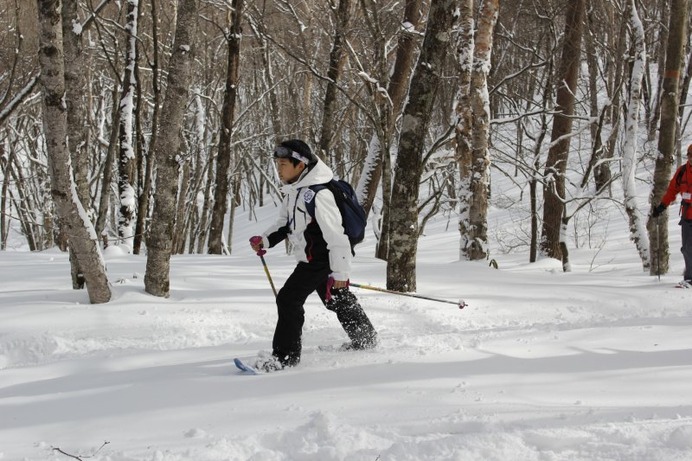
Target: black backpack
353,215
681,174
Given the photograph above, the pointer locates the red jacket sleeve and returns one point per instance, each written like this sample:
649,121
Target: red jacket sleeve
673,188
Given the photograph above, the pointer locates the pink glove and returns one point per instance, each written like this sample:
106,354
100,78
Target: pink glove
330,284
256,244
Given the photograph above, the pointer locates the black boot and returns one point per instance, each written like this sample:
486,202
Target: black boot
353,319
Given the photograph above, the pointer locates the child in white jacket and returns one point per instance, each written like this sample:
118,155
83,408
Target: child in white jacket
323,252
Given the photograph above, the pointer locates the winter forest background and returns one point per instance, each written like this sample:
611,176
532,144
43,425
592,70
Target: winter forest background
149,124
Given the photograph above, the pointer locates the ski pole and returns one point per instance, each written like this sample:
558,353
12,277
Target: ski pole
461,304
266,271
256,243
260,253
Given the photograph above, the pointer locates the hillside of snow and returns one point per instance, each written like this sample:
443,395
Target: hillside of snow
594,364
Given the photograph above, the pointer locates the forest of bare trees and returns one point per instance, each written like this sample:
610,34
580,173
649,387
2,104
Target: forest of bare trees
149,123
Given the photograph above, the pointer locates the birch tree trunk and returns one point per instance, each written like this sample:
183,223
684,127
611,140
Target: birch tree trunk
126,163
223,159
71,215
464,119
558,154
75,83
403,237
667,133
629,155
160,242
474,156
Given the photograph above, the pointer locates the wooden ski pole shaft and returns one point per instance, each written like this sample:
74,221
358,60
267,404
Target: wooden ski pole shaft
266,271
460,304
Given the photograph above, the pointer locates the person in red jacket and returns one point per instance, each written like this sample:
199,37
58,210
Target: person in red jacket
681,183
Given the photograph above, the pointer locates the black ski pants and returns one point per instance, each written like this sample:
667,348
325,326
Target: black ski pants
686,248
306,278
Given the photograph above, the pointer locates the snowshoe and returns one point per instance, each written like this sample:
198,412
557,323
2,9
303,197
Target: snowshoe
684,284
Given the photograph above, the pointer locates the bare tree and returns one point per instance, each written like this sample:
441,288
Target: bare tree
223,158
377,165
403,237
75,83
289,90
472,133
336,62
667,136
604,62
629,155
160,242
77,126
72,217
18,65
126,159
146,173
558,154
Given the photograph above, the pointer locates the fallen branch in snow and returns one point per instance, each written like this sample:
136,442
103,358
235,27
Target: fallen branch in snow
80,457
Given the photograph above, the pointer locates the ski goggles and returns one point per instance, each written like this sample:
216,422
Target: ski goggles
285,152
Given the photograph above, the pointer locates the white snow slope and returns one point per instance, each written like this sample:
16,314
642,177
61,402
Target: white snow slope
595,364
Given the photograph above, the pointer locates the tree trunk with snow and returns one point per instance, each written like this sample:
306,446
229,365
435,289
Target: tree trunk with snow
377,166
464,120
77,127
472,131
629,155
223,159
403,237
126,163
72,217
108,171
667,135
75,84
160,242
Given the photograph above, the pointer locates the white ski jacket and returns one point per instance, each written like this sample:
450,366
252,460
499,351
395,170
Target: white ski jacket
321,239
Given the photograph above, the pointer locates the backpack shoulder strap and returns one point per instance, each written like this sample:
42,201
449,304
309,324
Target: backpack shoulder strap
310,206
681,173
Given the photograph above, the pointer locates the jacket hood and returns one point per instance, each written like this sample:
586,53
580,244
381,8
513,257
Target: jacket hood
320,173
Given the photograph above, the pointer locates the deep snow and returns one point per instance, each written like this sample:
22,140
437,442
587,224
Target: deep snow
595,364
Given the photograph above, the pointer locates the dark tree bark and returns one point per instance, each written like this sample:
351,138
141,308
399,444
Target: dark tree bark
558,154
336,62
160,242
667,133
403,236
148,173
378,171
223,159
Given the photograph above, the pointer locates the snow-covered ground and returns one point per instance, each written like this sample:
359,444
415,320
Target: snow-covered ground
595,364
